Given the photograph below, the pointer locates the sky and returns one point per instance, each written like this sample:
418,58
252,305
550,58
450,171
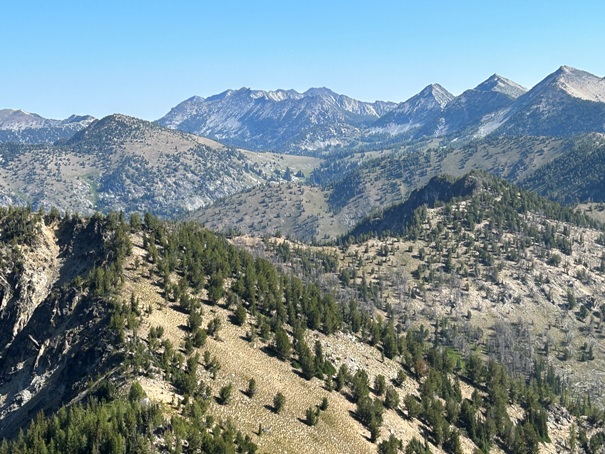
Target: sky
141,58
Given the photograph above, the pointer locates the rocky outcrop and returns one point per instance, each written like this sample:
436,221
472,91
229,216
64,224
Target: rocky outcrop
54,336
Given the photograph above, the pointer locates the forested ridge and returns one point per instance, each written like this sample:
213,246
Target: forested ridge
196,271
574,176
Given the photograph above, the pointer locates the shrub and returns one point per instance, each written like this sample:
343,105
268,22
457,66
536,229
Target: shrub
279,402
251,391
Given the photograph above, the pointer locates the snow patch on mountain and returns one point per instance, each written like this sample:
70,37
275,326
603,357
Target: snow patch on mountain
394,129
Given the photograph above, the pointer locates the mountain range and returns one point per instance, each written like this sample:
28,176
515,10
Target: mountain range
24,127
566,103
122,163
284,120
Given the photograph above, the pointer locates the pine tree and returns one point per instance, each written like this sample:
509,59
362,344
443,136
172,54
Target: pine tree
279,402
282,346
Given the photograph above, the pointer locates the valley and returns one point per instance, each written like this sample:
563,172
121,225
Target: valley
296,271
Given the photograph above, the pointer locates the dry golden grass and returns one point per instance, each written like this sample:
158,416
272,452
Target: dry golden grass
337,430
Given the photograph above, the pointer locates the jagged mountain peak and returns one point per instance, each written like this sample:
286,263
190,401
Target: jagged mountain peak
275,95
275,120
247,94
17,125
566,103
320,92
217,97
565,69
476,111
19,119
194,99
437,92
499,84
433,98
417,111
78,118
577,83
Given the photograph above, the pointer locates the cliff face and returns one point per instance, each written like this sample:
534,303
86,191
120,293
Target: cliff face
28,284
52,333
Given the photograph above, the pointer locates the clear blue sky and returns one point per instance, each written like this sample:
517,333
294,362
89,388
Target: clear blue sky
143,57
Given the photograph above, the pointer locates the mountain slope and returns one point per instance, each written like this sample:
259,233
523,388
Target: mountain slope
566,103
417,111
477,109
122,163
264,361
283,120
56,337
329,209
578,175
18,126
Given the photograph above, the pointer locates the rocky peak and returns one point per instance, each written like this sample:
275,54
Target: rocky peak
275,120
321,92
416,111
438,93
18,120
502,85
579,84
19,126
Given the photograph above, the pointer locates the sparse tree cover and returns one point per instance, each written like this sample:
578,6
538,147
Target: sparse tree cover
284,308
574,175
492,199
279,300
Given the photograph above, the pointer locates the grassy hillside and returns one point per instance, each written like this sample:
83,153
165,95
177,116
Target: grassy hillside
195,320
348,189
485,263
